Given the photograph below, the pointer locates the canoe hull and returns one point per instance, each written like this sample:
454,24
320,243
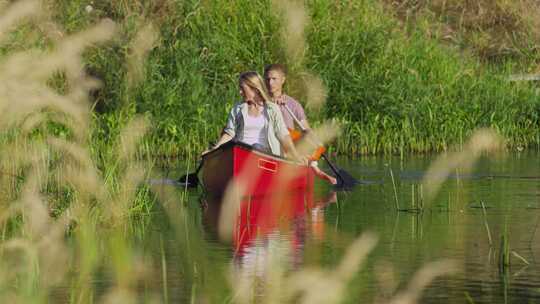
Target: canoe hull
255,172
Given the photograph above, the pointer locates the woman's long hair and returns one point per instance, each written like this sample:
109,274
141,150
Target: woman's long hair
255,81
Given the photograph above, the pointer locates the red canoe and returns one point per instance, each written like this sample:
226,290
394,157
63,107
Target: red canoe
256,172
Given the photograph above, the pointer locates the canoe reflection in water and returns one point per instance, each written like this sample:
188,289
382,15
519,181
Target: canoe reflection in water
276,226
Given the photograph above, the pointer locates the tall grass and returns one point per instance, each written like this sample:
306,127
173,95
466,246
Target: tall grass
58,180
394,90
405,92
494,31
72,167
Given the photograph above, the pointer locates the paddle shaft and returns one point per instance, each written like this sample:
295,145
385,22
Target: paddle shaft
199,167
299,123
191,179
312,141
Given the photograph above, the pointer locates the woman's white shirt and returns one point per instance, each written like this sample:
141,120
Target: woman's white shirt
276,127
255,130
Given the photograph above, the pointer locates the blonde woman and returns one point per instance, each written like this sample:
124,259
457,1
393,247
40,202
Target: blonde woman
257,121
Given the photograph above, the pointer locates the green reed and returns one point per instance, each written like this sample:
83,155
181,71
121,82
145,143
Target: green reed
504,250
396,201
486,225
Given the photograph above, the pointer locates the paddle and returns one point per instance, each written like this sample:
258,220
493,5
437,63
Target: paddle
191,180
345,180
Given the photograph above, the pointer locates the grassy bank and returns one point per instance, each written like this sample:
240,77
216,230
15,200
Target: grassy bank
493,31
395,86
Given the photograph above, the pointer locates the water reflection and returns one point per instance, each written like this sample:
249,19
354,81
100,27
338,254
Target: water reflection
465,223
276,225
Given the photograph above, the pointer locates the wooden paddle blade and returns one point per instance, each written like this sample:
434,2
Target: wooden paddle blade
190,180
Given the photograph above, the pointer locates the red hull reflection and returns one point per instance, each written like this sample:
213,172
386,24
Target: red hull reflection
260,216
291,214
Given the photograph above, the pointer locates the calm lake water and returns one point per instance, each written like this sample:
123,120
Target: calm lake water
318,231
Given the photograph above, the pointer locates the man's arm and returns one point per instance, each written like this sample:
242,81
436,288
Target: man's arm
290,150
300,114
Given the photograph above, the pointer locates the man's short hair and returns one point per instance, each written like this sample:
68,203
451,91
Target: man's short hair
275,67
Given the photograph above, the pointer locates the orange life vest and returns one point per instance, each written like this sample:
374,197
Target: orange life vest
296,135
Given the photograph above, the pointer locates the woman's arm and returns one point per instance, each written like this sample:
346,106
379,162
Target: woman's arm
225,137
228,132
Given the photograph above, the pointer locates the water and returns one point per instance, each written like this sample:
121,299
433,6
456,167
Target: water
317,231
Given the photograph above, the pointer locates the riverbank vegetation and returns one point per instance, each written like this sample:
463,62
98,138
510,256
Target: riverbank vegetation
492,31
407,77
89,89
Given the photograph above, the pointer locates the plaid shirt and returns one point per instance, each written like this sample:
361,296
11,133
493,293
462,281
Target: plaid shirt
294,106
